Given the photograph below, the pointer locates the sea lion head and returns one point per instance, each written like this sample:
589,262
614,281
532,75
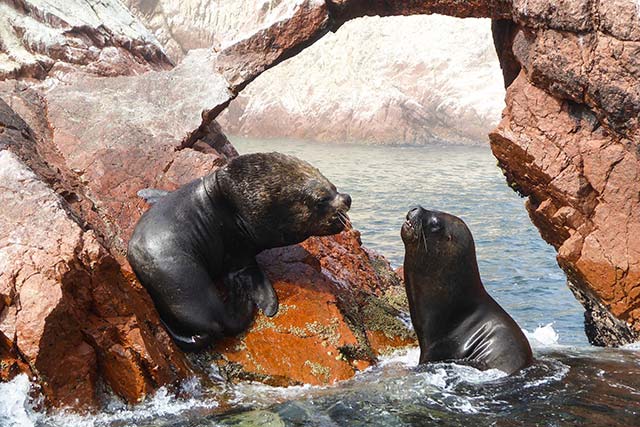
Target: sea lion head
281,200
437,244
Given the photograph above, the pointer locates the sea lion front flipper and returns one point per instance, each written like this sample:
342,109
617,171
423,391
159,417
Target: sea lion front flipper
152,195
257,286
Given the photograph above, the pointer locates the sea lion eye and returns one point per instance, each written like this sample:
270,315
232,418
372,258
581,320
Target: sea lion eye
325,200
434,225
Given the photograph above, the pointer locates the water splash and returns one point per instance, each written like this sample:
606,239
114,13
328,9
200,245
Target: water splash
15,402
17,408
632,346
543,336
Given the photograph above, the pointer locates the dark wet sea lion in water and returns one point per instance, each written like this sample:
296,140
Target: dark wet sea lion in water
454,317
213,228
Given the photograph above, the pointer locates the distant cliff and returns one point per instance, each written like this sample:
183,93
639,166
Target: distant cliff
393,80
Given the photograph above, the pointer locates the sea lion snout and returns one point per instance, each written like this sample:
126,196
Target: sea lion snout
409,230
420,223
346,201
414,213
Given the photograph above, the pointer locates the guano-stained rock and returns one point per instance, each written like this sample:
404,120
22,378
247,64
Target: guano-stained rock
39,37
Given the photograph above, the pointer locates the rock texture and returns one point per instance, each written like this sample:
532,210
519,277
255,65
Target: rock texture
374,81
569,141
74,150
68,311
39,37
340,308
181,26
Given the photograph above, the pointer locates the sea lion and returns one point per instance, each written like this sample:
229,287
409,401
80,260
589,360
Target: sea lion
213,228
454,317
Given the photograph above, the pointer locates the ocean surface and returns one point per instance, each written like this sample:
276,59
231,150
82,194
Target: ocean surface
571,382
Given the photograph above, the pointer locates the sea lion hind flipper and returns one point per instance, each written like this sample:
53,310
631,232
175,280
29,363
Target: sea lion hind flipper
152,195
253,282
189,343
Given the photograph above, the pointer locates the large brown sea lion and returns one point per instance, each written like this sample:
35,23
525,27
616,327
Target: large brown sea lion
213,228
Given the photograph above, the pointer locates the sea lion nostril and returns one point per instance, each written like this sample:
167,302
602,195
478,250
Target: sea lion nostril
412,213
346,199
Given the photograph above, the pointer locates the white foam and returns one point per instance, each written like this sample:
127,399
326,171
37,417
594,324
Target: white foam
16,407
254,393
632,346
15,402
543,336
407,357
448,376
559,372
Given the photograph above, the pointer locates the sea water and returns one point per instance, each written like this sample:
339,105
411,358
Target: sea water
571,382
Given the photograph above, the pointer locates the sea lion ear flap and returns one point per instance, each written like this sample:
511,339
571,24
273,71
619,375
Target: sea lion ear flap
434,224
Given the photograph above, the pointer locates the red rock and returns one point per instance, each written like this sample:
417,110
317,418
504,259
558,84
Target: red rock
65,300
338,311
11,364
582,183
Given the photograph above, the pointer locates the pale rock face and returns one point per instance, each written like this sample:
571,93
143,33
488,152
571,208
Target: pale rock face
192,24
398,80
103,36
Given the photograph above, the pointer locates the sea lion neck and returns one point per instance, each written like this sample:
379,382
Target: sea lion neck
438,294
238,225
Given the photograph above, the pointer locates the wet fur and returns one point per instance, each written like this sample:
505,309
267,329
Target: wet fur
453,315
210,231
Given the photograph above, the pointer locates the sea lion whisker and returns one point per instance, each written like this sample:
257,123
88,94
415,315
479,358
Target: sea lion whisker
424,239
344,219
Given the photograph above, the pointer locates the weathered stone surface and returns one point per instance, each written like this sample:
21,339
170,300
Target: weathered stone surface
337,313
569,141
140,141
373,82
594,69
67,308
39,36
181,26
243,60
583,185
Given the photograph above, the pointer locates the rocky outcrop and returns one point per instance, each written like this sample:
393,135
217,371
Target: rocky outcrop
38,38
74,151
569,140
373,81
68,311
340,308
